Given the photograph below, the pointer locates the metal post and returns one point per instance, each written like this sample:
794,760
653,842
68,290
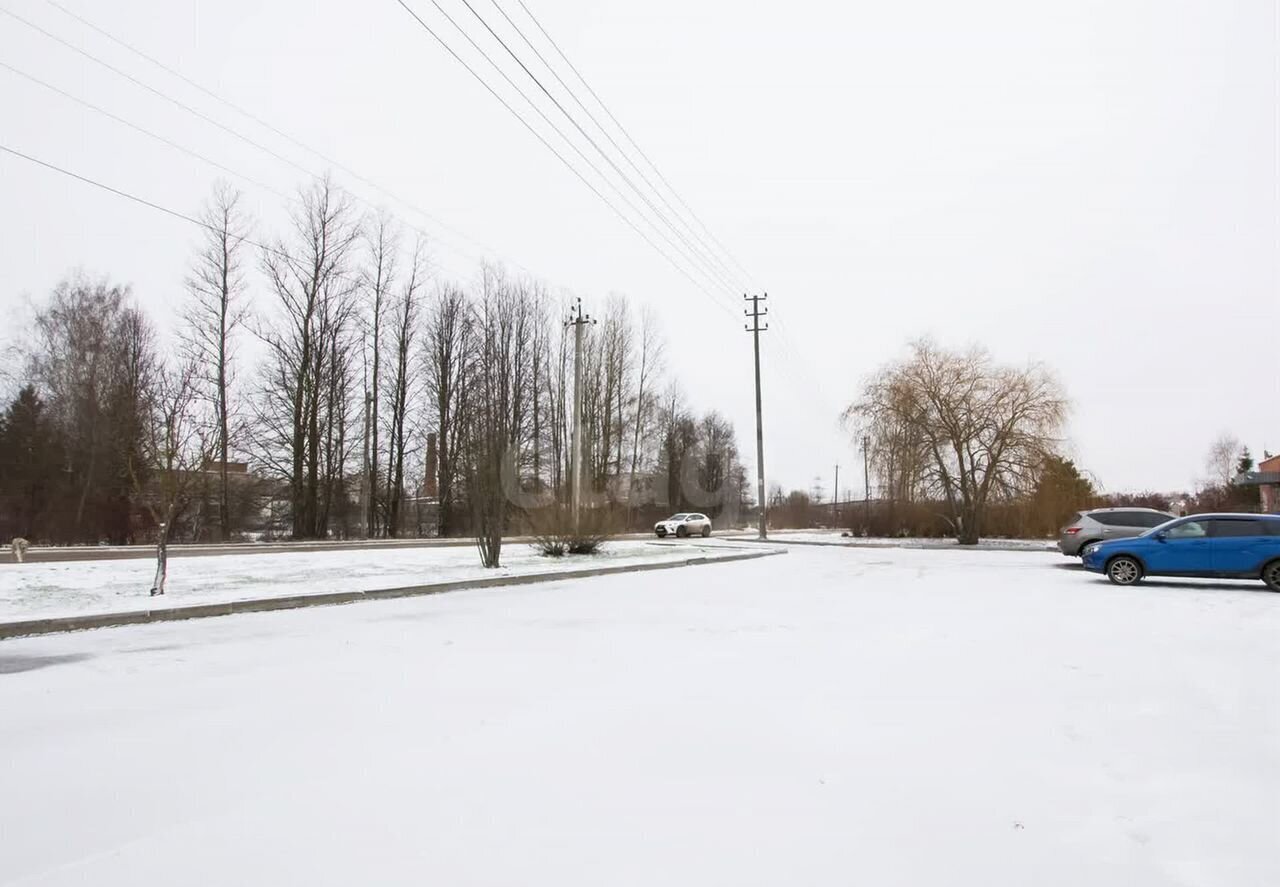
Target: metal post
755,314
835,501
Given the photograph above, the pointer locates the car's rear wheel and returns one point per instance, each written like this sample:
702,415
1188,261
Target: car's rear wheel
706,531
682,531
1271,575
1124,570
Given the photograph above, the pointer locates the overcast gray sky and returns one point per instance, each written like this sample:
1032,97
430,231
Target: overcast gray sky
1092,185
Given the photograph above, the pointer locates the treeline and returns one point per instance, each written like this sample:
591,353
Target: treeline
1047,496
1054,491
366,395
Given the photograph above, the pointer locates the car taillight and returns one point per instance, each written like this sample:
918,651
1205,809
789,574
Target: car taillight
1071,531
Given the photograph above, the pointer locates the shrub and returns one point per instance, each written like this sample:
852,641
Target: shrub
554,534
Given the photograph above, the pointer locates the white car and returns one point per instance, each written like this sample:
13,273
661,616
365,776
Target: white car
683,525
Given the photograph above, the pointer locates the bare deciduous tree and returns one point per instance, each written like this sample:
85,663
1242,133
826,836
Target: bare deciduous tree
92,357
313,285
502,382
403,331
1222,459
651,355
176,444
216,285
980,429
449,337
382,238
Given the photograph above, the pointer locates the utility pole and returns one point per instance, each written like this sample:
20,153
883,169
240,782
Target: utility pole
866,482
835,500
365,491
577,320
754,328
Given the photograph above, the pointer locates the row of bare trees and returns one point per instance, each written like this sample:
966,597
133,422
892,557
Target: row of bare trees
370,397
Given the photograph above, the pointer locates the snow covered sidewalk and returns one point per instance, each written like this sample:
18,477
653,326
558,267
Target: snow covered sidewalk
828,717
76,588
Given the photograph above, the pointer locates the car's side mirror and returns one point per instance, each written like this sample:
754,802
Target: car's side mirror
1162,536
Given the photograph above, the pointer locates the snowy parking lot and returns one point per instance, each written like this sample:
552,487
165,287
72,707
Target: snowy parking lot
833,716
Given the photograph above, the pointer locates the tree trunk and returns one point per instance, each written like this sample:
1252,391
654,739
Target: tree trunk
162,556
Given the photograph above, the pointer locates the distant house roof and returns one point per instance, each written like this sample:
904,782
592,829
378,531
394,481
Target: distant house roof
1257,478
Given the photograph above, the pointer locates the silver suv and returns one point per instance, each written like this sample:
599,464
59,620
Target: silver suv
1101,524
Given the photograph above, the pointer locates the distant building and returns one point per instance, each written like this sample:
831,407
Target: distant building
213,466
1267,480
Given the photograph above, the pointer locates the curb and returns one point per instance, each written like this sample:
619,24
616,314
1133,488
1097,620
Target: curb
59,624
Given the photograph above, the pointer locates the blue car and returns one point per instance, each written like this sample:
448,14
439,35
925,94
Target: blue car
1224,546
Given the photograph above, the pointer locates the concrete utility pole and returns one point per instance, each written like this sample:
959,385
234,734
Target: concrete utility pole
835,500
866,481
577,320
754,328
366,490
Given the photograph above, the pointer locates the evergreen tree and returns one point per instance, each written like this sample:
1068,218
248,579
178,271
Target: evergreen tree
1245,463
1060,491
28,463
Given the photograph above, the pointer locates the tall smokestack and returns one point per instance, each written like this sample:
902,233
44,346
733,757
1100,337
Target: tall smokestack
432,487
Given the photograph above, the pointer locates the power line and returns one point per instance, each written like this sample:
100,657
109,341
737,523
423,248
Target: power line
694,251
136,199
222,126
205,159
293,164
568,141
239,238
786,368
146,132
159,93
309,174
273,129
628,137
553,150
605,131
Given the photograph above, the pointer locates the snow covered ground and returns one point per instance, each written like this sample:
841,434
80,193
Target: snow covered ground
833,537
833,716
42,590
